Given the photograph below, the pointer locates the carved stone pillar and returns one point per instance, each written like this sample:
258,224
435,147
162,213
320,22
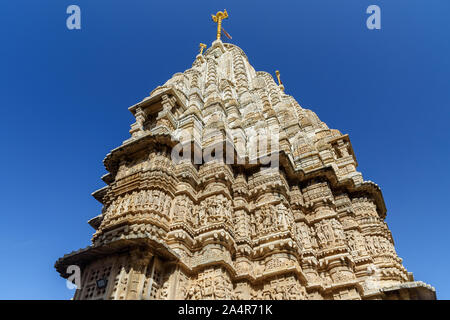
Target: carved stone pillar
139,260
335,262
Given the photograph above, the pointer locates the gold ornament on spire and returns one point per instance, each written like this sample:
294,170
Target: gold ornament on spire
218,19
280,84
202,47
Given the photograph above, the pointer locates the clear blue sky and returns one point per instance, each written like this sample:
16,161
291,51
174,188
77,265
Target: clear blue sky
64,99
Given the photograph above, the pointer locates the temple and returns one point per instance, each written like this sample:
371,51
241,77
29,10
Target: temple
228,189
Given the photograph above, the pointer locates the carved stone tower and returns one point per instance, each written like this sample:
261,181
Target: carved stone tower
236,216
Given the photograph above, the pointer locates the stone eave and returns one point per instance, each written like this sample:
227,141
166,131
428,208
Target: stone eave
82,257
107,178
299,175
99,194
96,221
418,289
147,102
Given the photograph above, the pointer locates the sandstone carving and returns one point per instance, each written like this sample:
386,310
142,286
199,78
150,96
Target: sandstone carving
287,218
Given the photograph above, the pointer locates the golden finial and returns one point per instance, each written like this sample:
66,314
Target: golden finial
280,84
202,47
218,19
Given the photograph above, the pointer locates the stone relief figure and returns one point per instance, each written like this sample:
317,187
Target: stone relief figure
195,216
289,218
278,293
180,209
272,219
151,194
189,217
387,246
119,205
148,199
307,237
351,242
281,212
219,287
292,292
267,219
125,204
321,234
165,291
202,216
194,292
313,237
329,232
241,224
132,197
198,292
259,221
369,245
208,289
111,209
214,209
360,243
191,293
302,235
252,225
295,292
338,230
139,199
376,244
342,276
182,292
257,294
156,197
167,204
295,229
228,211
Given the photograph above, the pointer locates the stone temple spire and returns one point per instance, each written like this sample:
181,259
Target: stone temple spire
228,189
